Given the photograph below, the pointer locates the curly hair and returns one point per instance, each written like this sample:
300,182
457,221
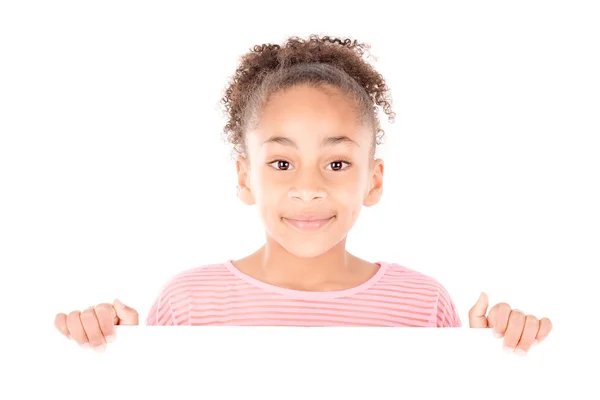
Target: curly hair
269,68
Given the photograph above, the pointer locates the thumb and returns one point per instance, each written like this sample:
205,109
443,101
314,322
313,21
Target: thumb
477,317
125,315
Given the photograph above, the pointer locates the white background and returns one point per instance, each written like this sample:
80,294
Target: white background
114,177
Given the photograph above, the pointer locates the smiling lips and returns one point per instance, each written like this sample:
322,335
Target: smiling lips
308,222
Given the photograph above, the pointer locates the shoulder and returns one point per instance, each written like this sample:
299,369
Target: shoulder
171,303
419,283
202,275
408,276
199,272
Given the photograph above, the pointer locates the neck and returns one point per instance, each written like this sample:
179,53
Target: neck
279,265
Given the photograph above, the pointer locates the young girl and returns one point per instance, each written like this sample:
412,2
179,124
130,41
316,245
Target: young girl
303,121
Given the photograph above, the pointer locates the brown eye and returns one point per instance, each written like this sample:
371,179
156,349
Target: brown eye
337,165
280,165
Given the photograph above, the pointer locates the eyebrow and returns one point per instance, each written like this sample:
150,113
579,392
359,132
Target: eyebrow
328,141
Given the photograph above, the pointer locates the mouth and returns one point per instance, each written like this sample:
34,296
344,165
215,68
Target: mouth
308,223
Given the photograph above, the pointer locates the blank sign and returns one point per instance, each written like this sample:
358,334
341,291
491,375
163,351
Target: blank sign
301,363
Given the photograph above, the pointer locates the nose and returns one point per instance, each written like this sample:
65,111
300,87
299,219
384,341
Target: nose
307,189
307,195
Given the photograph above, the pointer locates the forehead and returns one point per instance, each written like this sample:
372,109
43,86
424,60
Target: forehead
308,114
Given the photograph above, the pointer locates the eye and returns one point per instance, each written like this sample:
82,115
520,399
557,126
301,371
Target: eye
337,165
281,165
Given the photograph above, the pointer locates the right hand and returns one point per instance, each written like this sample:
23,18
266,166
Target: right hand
95,326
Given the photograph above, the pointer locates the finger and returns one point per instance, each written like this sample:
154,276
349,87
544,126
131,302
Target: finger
498,318
76,329
532,325
477,318
60,322
516,324
92,329
544,330
126,315
107,317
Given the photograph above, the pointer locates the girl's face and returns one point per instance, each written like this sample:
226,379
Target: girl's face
309,169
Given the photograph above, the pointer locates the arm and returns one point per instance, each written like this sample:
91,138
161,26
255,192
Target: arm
447,315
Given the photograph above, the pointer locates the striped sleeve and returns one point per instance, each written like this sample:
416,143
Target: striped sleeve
447,314
161,312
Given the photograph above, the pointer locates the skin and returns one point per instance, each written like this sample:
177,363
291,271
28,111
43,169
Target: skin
309,154
95,326
519,330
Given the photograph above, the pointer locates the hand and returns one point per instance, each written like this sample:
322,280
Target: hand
94,327
520,331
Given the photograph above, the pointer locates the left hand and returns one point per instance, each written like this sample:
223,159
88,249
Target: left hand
520,331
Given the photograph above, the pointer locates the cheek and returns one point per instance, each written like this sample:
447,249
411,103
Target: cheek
355,182
266,190
351,191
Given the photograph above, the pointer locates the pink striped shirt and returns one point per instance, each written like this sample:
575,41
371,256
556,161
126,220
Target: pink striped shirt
220,294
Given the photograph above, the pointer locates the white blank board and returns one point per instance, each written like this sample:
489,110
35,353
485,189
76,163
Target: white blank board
298,363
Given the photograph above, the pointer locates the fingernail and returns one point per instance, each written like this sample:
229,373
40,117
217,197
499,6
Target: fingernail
520,352
496,333
110,338
121,304
508,349
85,345
535,342
99,349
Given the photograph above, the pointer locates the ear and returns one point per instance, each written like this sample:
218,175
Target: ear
242,168
375,184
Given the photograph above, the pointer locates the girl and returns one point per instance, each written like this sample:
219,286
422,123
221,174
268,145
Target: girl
303,122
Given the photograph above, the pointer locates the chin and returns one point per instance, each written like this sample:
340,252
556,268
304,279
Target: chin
306,250
308,246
